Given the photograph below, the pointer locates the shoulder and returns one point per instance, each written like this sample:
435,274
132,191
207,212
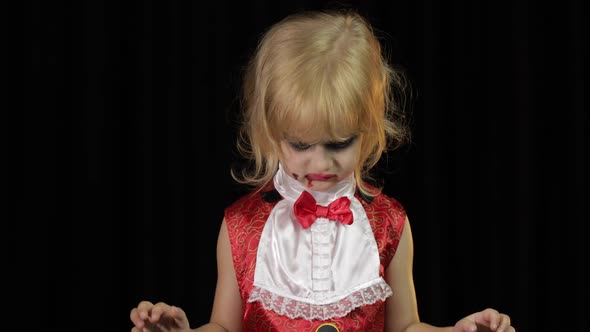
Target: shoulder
390,204
383,204
387,218
255,204
245,219
386,215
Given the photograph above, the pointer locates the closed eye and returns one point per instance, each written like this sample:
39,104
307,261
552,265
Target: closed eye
300,146
336,146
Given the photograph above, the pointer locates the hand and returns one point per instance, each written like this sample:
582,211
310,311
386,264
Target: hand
484,321
159,317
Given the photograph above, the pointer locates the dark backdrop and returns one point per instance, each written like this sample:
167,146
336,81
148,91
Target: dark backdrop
125,101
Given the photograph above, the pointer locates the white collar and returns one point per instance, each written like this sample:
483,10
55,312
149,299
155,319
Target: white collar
290,188
321,272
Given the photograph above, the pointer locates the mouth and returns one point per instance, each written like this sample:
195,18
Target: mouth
319,177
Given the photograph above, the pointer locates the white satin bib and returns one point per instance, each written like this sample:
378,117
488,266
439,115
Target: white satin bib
321,272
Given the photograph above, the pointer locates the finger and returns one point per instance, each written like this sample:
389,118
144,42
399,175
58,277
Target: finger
504,323
178,313
134,316
144,309
158,310
179,316
466,325
494,321
488,317
153,327
136,329
145,305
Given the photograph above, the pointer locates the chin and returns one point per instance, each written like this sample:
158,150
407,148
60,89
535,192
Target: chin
320,186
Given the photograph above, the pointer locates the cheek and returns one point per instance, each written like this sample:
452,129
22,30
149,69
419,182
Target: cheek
349,159
289,161
292,163
291,168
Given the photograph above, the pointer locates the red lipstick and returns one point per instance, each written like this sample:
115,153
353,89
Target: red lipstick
319,177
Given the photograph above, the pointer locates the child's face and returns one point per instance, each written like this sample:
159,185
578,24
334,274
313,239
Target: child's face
320,166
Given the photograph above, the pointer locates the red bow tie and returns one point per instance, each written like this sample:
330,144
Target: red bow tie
307,211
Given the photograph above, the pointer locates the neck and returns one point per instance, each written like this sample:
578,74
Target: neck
290,188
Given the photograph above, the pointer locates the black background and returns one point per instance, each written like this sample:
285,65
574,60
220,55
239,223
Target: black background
124,101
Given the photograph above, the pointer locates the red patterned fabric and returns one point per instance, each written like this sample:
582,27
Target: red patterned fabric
245,220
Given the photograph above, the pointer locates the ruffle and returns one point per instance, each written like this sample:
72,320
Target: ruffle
298,309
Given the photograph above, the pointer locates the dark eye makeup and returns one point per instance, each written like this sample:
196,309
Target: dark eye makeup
333,146
336,146
300,146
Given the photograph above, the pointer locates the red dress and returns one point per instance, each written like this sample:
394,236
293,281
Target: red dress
245,221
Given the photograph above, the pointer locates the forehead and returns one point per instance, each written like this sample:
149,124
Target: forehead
313,127
313,116
306,136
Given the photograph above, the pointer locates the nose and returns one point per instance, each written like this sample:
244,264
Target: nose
323,159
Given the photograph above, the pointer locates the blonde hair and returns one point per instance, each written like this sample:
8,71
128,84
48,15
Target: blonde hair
318,73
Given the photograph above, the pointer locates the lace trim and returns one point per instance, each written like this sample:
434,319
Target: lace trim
308,311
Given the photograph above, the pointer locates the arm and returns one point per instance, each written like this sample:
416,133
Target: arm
402,307
226,315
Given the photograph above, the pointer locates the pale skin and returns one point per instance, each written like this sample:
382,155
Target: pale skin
338,161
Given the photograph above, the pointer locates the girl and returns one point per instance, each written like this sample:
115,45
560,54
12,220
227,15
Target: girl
315,247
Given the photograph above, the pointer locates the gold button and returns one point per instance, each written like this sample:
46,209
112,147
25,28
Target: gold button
327,327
